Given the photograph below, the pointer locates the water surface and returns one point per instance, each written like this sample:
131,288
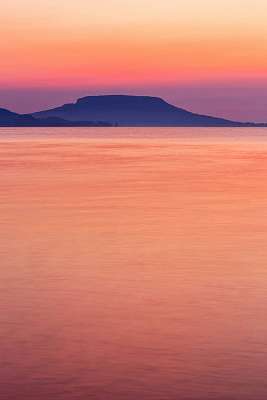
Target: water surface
133,264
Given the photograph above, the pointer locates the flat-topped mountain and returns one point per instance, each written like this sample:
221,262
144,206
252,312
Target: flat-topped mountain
116,110
125,110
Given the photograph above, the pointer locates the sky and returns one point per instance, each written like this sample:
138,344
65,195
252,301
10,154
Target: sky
208,56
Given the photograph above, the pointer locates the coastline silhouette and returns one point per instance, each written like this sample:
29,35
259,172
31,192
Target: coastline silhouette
117,110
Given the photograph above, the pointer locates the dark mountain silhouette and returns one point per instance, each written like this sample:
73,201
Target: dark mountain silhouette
12,119
133,111
118,110
6,115
9,118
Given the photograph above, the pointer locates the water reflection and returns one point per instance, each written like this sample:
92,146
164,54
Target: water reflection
133,264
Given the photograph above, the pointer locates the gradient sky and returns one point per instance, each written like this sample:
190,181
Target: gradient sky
209,56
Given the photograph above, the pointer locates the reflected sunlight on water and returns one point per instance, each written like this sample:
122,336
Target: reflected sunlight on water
133,264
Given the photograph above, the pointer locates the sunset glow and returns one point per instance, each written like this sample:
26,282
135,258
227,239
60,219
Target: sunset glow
133,156
129,45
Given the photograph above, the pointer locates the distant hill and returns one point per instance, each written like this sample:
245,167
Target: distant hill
9,118
12,119
117,110
133,111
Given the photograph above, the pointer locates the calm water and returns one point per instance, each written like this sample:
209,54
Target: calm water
133,264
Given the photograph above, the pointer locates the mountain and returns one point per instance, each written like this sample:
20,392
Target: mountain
7,116
12,119
133,111
118,110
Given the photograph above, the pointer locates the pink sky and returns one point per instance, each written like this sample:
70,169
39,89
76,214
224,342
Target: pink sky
208,56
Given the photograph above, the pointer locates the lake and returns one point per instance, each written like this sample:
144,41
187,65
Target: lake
133,264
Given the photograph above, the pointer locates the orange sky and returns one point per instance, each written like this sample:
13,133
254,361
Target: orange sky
132,43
